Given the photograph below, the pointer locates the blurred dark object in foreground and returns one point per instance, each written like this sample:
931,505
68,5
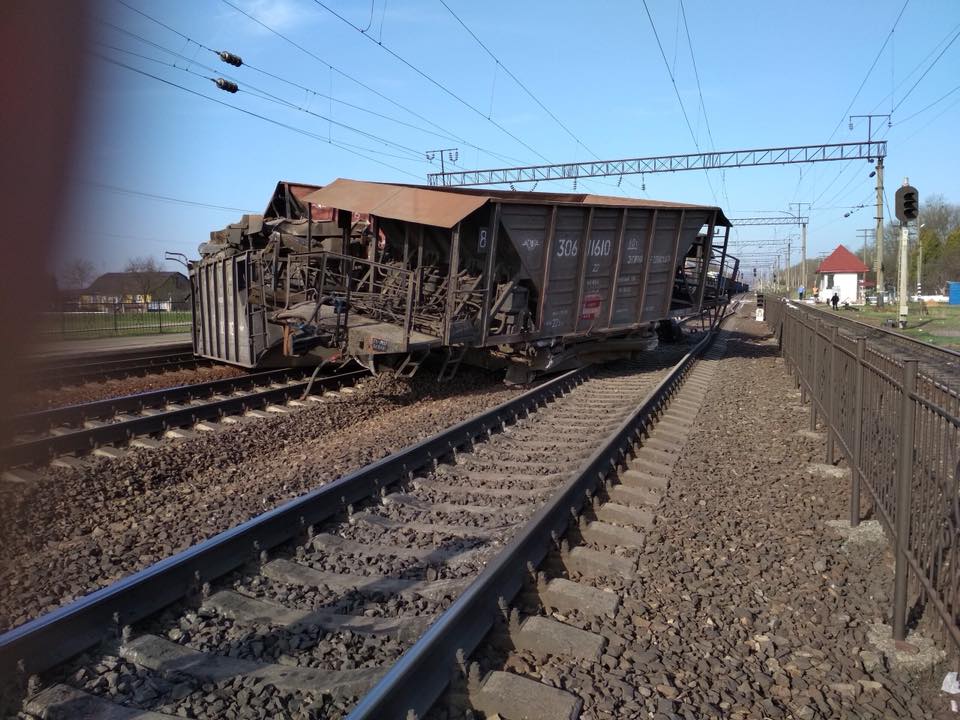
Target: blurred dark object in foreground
44,64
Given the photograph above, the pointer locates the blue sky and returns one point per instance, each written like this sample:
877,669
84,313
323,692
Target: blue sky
771,74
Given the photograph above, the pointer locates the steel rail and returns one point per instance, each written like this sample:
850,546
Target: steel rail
84,368
85,439
53,638
422,673
933,358
886,331
41,420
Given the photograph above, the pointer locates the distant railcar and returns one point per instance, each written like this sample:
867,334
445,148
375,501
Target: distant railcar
388,274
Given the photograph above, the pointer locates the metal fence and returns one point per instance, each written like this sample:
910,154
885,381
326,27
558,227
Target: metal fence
899,431
91,320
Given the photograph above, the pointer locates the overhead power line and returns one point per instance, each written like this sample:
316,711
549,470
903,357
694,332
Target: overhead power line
866,77
501,65
270,120
906,78
676,91
431,80
163,198
517,80
414,154
365,86
275,76
929,68
703,105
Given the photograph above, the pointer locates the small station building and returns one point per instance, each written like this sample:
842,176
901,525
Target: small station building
841,272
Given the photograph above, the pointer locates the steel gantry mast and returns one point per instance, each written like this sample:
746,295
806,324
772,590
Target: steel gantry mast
664,163
790,220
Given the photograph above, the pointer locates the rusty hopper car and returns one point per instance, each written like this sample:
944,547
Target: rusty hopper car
388,274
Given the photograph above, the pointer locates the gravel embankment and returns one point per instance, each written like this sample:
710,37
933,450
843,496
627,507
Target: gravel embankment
78,530
46,398
747,604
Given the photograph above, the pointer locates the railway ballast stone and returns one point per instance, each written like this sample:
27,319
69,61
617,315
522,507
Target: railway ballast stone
746,602
79,528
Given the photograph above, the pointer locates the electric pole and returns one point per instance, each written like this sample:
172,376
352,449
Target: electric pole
864,234
878,260
789,268
453,154
879,216
802,221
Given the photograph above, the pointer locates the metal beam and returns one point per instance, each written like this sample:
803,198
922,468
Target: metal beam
792,220
664,163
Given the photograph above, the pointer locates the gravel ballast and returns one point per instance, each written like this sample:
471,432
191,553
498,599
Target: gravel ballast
80,529
748,600
44,399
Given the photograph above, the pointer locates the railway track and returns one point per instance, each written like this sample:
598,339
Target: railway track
940,364
106,366
370,583
101,427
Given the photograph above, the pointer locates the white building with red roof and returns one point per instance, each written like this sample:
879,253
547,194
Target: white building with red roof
841,272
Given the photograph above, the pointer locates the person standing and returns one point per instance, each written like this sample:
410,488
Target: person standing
800,291
835,300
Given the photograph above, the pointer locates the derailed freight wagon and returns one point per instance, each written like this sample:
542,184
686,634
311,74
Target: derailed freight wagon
388,274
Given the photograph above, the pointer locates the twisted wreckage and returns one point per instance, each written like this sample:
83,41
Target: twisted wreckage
390,274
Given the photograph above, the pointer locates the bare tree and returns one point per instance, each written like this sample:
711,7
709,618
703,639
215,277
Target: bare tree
142,270
77,273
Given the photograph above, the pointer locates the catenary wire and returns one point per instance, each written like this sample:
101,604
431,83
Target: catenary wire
501,66
676,91
273,75
365,86
273,121
929,68
415,154
163,198
432,80
703,105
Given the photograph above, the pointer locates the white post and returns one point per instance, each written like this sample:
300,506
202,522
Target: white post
902,289
879,236
919,261
803,251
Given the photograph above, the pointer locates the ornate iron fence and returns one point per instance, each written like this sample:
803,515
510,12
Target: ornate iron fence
899,431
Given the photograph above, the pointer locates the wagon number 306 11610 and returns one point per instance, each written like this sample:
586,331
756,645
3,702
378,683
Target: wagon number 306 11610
598,248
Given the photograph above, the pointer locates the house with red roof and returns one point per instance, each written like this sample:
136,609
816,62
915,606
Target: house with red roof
841,272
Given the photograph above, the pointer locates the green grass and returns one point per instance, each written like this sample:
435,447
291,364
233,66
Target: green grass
81,326
943,327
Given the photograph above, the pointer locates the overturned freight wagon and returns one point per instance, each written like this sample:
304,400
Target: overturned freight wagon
388,274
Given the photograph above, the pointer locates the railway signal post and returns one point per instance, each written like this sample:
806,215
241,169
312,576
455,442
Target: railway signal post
907,209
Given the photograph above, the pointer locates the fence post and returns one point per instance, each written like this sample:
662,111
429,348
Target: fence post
904,480
160,315
832,390
115,319
814,376
858,400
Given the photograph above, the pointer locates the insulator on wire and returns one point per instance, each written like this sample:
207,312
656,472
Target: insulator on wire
230,87
230,58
